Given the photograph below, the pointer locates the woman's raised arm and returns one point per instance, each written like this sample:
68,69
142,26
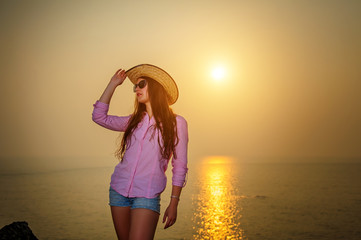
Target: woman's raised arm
100,111
117,79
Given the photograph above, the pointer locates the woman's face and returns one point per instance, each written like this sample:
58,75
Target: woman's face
142,93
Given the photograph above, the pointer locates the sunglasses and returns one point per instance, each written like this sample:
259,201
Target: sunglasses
141,85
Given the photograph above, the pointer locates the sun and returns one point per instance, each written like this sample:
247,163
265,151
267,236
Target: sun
218,73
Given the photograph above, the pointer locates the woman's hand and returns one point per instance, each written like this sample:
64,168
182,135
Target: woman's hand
119,77
170,215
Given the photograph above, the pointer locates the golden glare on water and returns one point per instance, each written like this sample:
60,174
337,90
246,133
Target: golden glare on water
217,215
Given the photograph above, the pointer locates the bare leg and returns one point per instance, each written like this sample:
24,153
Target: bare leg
121,220
143,223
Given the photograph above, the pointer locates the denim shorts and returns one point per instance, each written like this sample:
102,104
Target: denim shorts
118,200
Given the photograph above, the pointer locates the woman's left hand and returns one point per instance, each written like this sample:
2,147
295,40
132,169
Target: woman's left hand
170,215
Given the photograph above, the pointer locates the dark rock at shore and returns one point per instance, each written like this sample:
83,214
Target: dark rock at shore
17,231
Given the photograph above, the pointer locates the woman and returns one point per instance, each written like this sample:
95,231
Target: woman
153,135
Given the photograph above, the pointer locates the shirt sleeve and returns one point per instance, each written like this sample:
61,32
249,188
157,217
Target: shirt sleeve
101,117
179,164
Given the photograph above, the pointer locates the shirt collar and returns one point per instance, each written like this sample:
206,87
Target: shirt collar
146,118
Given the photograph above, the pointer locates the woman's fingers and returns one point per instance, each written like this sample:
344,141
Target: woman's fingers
170,222
122,74
119,76
165,216
167,224
118,72
170,216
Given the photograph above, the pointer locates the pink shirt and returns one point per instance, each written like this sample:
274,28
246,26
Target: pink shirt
142,171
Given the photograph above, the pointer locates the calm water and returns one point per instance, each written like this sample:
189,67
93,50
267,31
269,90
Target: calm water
223,199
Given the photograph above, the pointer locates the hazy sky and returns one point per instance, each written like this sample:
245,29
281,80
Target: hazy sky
291,89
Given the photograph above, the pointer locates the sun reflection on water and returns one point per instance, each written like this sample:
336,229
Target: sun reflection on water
217,215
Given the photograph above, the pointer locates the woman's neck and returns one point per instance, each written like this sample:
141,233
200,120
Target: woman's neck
148,108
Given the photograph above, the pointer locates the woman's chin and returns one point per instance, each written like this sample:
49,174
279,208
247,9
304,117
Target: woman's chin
142,101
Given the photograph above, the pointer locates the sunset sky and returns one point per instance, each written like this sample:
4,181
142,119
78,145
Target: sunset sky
290,90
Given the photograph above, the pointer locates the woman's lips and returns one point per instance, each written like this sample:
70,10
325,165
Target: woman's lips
139,94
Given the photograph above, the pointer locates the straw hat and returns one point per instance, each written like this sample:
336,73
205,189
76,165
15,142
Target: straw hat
159,75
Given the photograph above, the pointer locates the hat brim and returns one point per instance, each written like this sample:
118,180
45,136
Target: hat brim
159,75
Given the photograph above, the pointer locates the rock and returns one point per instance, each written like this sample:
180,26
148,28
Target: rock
17,231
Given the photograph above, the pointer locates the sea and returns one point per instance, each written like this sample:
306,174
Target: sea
224,198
